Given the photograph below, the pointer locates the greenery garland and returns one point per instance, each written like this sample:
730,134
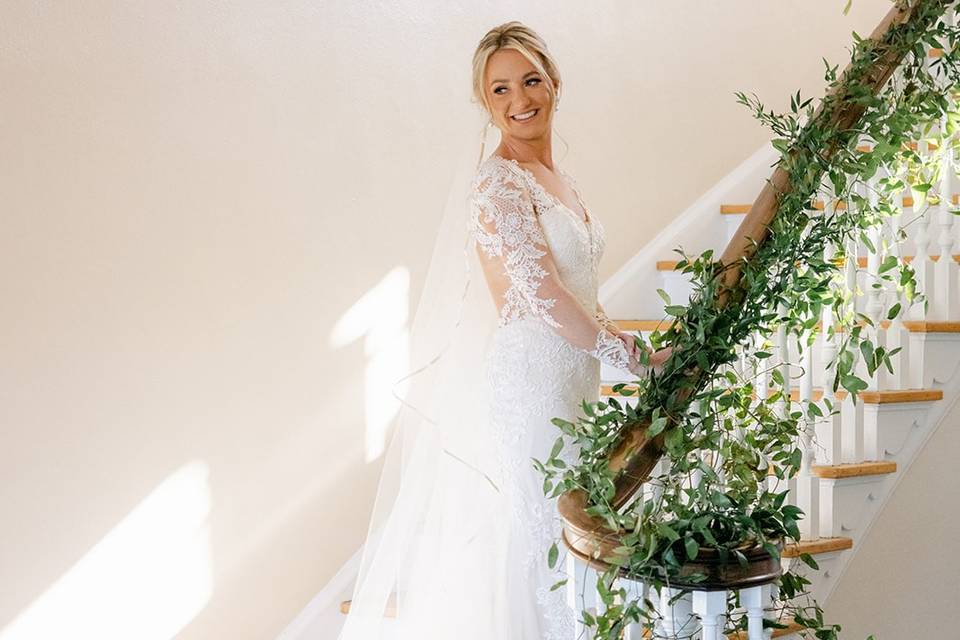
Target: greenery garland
714,427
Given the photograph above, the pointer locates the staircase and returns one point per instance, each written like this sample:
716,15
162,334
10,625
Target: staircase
860,455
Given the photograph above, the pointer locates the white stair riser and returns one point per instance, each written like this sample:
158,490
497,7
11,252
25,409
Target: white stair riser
847,503
888,427
933,358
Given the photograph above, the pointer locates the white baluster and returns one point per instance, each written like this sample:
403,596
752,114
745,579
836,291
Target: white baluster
761,383
946,304
782,359
852,414
782,406
636,591
808,486
874,308
754,599
676,618
828,429
922,264
583,595
655,489
897,334
710,606
573,581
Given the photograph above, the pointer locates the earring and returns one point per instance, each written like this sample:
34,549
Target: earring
556,106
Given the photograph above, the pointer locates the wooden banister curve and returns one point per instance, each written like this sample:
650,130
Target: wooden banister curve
635,455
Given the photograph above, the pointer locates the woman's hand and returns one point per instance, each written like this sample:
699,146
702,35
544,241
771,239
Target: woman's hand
659,357
656,360
628,340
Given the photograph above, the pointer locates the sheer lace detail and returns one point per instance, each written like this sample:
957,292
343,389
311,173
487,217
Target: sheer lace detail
541,262
611,349
519,264
504,225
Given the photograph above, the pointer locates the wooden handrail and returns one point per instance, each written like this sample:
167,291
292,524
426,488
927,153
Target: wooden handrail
635,455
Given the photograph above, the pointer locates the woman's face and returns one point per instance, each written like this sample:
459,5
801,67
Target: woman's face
515,88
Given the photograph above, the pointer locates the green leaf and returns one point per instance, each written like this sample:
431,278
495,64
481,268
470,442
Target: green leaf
552,555
666,532
809,561
720,500
888,263
691,547
557,447
777,376
674,438
853,384
657,426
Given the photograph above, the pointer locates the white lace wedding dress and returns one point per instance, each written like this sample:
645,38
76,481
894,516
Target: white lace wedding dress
460,547
540,260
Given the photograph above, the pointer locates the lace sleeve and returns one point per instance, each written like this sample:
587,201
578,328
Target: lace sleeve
520,271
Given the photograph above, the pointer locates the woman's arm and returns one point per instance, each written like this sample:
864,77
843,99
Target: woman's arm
521,274
602,318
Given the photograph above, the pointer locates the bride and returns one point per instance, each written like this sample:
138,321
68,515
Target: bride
459,539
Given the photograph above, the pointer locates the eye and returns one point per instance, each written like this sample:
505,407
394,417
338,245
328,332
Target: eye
497,90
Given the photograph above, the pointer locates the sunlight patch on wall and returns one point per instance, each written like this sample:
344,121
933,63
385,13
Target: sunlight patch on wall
380,317
146,579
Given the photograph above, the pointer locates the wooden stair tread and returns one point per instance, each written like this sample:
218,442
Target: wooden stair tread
671,265
792,627
914,326
855,469
820,545
879,397
389,612
867,397
735,209
923,326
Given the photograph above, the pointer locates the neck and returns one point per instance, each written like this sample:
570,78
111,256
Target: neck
529,151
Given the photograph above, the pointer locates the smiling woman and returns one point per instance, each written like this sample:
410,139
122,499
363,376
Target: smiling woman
460,541
522,92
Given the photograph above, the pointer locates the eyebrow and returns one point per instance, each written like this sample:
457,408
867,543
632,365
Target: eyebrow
524,75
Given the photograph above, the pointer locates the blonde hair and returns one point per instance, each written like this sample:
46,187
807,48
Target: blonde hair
513,35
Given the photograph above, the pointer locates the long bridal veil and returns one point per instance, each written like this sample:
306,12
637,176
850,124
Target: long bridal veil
432,564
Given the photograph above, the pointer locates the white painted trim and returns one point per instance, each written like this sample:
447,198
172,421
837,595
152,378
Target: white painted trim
705,207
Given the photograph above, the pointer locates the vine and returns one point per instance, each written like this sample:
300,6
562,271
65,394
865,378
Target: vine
724,437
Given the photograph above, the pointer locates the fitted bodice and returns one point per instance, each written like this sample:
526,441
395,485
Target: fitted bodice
576,244
543,262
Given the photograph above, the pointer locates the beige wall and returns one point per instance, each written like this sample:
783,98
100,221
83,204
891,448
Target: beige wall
195,194
904,581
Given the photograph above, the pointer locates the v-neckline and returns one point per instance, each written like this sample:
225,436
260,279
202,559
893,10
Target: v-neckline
586,221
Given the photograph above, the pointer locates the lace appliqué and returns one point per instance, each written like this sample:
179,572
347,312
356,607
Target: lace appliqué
504,224
610,349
